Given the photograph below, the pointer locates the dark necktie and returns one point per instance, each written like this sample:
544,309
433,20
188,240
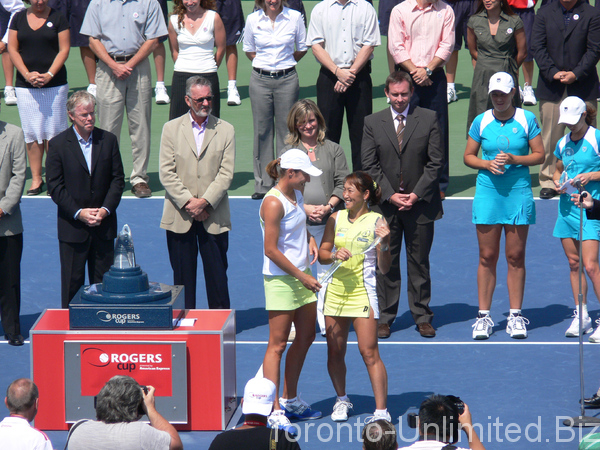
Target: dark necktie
400,130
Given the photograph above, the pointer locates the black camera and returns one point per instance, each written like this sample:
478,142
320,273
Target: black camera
454,402
141,411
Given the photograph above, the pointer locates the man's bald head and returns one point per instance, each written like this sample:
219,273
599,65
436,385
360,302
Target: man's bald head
21,396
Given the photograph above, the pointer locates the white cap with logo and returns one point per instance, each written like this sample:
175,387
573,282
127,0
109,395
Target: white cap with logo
298,160
501,81
571,109
259,395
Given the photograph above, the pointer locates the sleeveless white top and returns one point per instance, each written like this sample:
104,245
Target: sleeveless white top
292,242
196,50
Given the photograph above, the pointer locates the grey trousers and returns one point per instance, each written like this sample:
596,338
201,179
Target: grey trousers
271,99
133,94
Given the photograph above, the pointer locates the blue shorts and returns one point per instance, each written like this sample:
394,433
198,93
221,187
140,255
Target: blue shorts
527,15
463,9
232,16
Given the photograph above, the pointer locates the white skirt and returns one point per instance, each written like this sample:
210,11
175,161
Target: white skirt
43,112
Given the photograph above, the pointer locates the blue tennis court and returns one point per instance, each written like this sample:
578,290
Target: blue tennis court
518,391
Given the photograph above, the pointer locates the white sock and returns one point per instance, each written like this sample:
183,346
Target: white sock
584,310
450,85
285,401
160,84
343,398
515,312
484,312
231,83
380,412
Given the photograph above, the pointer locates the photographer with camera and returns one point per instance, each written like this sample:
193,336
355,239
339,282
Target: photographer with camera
440,419
119,406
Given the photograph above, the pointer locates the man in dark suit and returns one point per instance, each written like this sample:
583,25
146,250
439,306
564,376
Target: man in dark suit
566,47
402,151
85,179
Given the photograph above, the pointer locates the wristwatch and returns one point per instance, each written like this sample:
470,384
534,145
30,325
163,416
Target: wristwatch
428,71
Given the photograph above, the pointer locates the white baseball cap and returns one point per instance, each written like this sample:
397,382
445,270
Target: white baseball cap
571,109
259,395
501,81
298,160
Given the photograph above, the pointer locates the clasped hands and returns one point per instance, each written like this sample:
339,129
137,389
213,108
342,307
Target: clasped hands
92,217
196,207
37,79
404,201
345,79
420,77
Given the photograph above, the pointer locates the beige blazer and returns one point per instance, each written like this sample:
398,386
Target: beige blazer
13,164
184,174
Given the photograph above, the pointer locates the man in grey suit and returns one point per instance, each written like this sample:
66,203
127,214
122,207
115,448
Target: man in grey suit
196,164
402,151
13,164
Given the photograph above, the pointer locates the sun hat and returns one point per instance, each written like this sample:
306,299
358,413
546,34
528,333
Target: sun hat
298,160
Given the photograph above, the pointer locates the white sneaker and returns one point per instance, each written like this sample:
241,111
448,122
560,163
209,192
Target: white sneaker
277,419
341,410
528,96
573,330
10,96
292,334
92,89
233,96
482,328
451,92
298,409
375,417
516,326
595,337
160,93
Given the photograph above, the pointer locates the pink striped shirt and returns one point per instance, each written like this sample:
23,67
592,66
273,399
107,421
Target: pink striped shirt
420,34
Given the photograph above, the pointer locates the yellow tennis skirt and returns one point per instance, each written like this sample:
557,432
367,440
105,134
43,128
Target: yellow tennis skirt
286,293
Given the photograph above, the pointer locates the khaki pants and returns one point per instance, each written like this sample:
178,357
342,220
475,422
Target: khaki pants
133,94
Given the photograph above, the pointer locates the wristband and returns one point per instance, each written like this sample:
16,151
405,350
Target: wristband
331,206
50,73
335,73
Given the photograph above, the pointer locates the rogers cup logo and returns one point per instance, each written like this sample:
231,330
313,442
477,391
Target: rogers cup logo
106,317
97,357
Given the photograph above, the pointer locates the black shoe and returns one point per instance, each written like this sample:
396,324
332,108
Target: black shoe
14,339
258,196
36,191
547,193
592,402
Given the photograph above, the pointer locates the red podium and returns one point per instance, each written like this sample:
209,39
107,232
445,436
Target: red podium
192,368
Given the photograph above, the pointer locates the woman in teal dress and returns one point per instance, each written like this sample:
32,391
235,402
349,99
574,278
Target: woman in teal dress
497,43
503,198
578,155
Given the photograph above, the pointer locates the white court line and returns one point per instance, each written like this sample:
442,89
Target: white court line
438,343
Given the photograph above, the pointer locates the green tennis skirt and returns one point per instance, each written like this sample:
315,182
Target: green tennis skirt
286,293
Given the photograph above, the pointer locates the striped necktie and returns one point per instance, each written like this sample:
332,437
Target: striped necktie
400,130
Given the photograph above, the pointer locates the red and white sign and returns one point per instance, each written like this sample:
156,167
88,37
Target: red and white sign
148,364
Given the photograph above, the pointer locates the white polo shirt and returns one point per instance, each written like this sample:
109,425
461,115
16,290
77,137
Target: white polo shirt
17,434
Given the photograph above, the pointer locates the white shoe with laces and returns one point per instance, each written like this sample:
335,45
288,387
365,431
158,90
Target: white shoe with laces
573,330
341,410
298,409
516,326
451,93
10,96
277,419
375,417
595,337
482,328
161,96
529,96
233,96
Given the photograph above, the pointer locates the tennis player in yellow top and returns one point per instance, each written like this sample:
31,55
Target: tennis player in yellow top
351,296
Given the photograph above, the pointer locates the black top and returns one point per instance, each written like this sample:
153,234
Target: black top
39,48
257,438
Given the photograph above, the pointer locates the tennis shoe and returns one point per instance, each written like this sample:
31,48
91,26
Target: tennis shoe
161,96
92,89
595,337
298,409
529,96
340,410
573,330
451,93
375,417
482,328
277,419
10,96
516,326
233,96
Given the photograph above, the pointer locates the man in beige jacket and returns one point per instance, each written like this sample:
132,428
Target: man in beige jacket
197,154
